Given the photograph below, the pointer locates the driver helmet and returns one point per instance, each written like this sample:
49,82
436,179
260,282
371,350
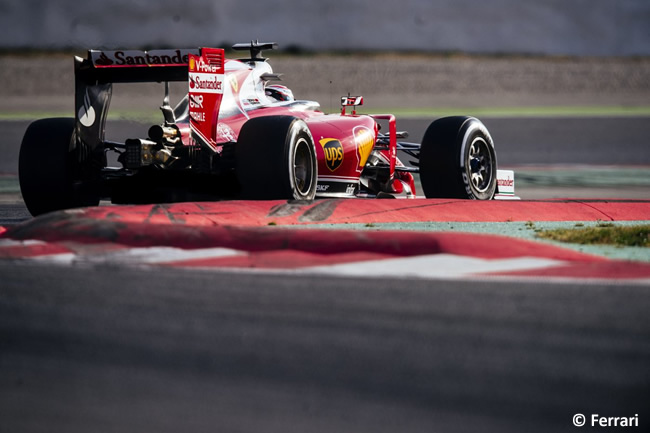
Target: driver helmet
279,93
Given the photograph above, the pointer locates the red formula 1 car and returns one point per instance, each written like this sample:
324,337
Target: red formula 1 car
237,135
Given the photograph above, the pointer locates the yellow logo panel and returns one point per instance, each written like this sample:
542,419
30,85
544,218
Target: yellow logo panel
333,153
365,141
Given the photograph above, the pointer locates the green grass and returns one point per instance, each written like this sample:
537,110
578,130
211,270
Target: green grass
9,184
602,234
558,111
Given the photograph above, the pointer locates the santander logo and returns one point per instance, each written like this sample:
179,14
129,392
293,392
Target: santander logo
104,60
136,58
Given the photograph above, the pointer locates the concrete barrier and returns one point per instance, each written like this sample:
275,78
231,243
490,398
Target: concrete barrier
576,27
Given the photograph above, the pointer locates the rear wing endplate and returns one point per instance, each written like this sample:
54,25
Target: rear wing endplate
206,78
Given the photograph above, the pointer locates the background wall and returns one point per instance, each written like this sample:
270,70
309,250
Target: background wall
560,27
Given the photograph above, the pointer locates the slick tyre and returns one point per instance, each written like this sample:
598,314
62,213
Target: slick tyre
457,160
49,168
276,159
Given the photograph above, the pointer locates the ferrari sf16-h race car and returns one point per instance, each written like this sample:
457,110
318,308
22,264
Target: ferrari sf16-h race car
237,135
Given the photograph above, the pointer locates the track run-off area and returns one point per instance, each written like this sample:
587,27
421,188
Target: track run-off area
272,235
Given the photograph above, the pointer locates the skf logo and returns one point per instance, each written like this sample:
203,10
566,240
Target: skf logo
365,141
333,153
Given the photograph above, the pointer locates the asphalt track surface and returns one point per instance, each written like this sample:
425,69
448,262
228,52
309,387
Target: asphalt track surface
123,349
114,348
539,140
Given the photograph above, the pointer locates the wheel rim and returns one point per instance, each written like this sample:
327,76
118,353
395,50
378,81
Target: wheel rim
302,167
480,165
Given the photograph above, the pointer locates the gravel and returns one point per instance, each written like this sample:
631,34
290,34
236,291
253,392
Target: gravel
46,82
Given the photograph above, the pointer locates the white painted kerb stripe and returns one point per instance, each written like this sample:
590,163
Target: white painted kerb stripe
164,255
149,255
14,243
434,266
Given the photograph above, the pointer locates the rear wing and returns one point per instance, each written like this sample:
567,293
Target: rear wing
95,75
131,66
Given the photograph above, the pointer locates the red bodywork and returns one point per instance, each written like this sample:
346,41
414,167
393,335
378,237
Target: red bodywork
223,94
343,142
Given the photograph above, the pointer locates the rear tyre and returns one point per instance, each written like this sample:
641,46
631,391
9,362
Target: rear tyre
50,169
457,160
276,159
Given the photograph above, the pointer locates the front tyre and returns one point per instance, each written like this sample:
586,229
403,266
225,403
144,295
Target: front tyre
49,168
457,160
276,159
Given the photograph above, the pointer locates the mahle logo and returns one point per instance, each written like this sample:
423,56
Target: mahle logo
333,153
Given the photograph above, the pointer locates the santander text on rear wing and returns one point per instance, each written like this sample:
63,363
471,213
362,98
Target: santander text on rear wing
132,66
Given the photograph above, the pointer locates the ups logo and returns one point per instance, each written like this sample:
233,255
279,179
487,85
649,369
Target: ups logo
333,153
